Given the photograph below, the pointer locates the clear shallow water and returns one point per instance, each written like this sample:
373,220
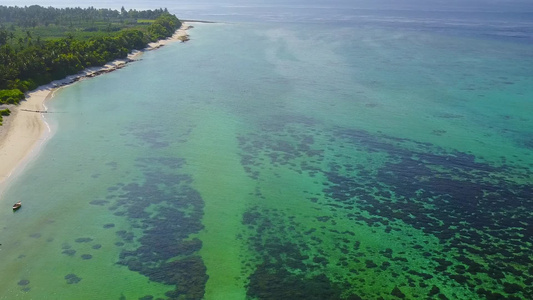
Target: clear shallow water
285,161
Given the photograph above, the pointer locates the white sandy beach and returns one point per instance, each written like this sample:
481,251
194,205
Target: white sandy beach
24,131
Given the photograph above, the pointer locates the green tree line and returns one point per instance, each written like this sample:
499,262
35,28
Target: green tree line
4,112
35,61
35,15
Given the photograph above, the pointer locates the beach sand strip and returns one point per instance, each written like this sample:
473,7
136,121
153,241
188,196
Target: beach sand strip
24,131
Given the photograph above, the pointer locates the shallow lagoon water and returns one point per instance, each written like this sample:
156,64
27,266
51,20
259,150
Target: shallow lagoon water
284,161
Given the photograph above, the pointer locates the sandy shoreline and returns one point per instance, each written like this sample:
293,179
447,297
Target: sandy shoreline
25,130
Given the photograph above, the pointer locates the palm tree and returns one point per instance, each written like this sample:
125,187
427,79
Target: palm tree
28,38
4,35
11,36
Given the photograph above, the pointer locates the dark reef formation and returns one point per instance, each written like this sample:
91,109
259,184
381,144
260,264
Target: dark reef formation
166,211
478,212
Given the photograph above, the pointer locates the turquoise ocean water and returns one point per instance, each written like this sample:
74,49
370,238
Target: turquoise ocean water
289,151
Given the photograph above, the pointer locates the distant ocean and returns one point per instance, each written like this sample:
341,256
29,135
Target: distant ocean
292,150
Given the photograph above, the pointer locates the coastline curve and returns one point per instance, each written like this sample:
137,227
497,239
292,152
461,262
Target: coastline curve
26,131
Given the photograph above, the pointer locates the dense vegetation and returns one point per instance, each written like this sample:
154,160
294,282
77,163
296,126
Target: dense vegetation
39,45
4,112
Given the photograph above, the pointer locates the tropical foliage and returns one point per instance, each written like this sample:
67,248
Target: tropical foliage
32,54
12,96
4,112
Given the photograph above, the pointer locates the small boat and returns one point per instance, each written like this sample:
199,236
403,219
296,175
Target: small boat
17,205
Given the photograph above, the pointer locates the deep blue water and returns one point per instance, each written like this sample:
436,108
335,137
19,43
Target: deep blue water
511,20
